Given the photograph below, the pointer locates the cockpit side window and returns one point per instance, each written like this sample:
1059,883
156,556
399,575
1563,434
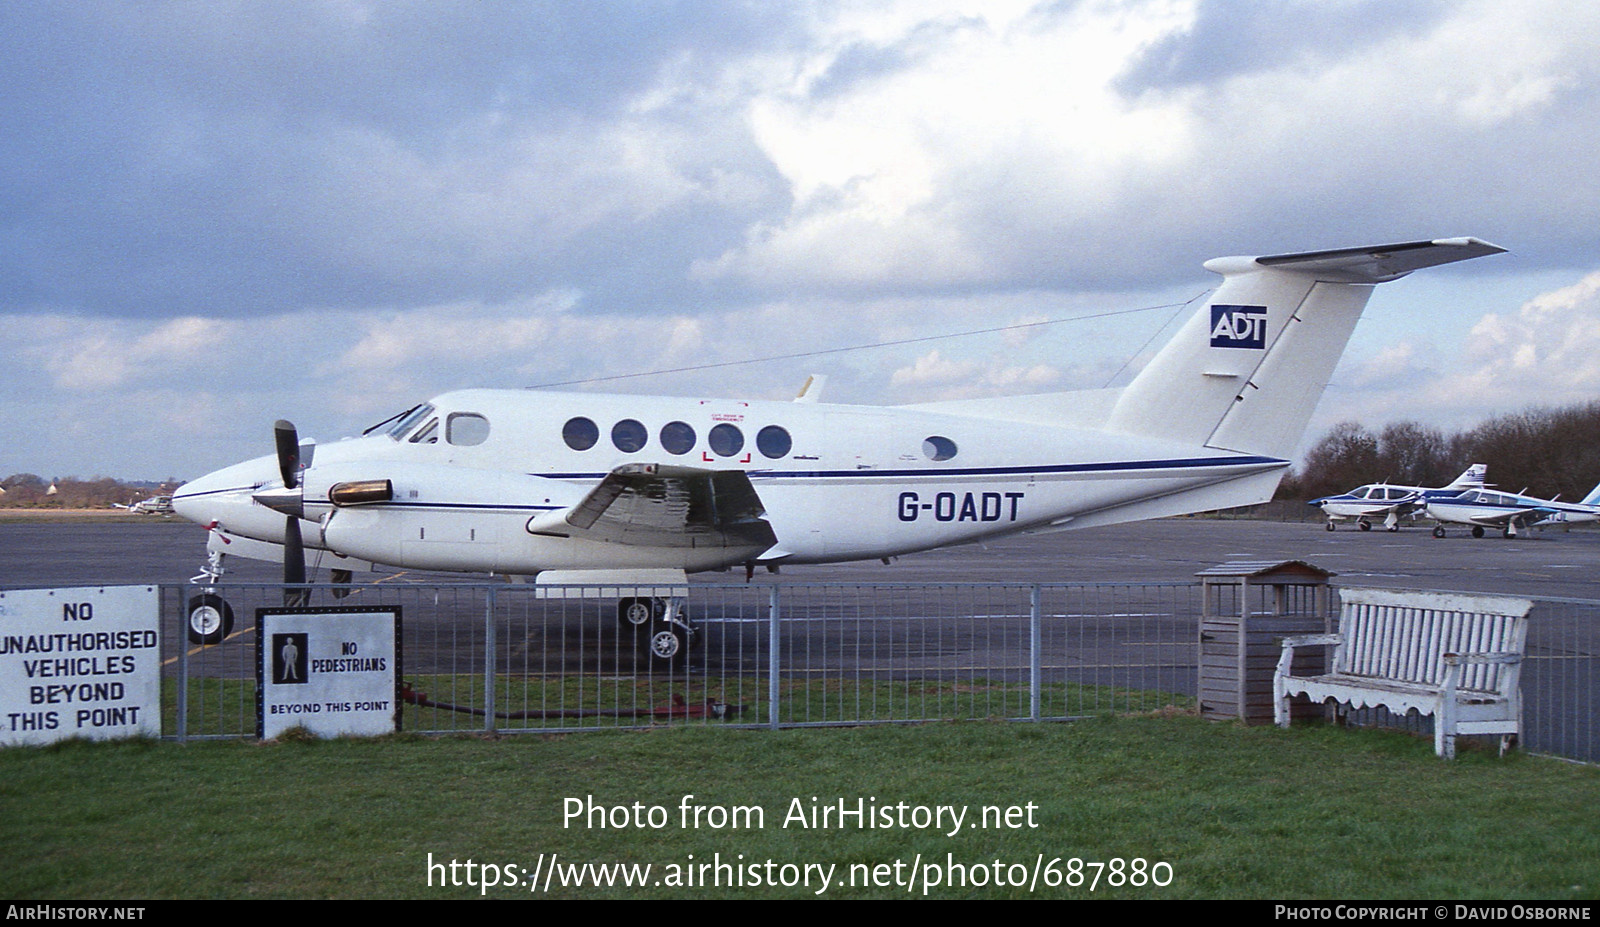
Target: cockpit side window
427,434
466,429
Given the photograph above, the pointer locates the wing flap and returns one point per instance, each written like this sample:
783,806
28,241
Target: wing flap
656,505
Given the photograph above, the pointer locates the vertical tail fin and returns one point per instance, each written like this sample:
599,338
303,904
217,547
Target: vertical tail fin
1474,476
1246,372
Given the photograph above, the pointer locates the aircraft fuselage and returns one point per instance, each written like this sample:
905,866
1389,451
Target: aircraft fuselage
837,482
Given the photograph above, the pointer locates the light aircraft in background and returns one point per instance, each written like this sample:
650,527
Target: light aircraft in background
155,505
1483,508
637,491
1391,502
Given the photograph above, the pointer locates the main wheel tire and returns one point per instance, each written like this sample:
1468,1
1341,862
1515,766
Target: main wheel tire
637,612
669,643
209,619
1365,525
661,644
1477,531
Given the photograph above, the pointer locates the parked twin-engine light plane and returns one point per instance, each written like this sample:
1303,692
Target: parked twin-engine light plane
1482,508
581,487
1392,502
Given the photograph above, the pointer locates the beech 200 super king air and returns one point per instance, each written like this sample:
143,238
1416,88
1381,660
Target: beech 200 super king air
636,490
1391,502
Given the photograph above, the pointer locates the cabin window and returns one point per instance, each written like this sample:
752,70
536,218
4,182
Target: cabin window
677,437
938,447
466,429
629,436
580,433
773,441
726,440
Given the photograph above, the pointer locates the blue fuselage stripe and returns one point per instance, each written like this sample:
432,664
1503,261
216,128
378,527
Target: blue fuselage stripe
942,472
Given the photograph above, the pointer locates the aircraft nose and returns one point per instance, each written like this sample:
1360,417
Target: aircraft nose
214,496
195,499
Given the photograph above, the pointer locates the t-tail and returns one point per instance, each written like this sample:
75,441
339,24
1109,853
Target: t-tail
1473,477
1246,372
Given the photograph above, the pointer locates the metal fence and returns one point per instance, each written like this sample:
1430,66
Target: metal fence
508,658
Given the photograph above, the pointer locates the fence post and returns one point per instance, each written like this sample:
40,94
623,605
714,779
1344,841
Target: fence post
488,660
773,652
1035,636
183,666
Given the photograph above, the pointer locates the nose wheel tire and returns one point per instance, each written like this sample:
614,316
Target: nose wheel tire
209,619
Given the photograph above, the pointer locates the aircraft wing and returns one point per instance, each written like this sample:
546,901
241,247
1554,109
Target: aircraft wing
1510,516
1384,509
655,505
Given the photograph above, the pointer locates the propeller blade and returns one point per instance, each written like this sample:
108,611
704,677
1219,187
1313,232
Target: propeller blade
288,442
294,563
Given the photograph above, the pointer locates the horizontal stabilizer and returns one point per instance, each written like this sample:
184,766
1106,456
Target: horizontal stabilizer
1380,263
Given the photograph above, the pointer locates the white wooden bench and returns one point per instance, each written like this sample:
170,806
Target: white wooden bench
1455,656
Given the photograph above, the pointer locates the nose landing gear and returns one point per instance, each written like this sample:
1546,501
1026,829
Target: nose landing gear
209,619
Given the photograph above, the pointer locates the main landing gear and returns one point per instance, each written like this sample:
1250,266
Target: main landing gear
660,627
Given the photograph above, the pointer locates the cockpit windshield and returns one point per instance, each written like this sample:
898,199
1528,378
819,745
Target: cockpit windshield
396,426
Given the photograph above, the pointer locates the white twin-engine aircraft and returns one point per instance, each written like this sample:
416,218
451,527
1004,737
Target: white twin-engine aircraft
624,490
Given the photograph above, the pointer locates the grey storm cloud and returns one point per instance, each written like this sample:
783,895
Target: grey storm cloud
234,158
220,213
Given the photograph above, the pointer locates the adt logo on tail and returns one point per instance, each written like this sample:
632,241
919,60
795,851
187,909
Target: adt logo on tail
1238,326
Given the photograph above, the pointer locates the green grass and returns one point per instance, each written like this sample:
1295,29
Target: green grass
226,707
1316,812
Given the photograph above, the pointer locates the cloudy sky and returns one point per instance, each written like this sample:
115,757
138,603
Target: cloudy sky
216,214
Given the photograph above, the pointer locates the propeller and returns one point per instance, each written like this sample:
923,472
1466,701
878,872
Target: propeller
294,551
288,442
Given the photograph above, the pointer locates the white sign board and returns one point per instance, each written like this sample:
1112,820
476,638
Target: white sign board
82,662
331,671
